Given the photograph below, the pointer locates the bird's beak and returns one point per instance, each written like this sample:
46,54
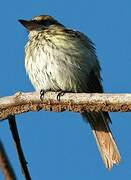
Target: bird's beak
29,25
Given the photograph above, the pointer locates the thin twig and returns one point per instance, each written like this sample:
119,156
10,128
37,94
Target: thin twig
5,165
76,102
15,135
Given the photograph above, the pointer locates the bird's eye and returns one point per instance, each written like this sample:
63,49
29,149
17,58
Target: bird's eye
45,22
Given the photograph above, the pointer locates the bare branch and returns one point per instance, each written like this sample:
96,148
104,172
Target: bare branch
16,138
77,102
5,165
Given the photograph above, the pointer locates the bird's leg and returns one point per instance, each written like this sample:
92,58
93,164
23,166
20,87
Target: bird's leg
61,93
42,93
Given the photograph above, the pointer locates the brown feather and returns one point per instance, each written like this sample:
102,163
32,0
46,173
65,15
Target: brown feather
99,122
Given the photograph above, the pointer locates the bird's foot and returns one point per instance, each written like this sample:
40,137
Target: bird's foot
61,93
42,93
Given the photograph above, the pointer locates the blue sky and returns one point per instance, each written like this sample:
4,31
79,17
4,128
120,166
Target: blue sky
60,146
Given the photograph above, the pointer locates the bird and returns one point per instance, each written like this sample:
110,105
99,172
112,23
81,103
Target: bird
61,59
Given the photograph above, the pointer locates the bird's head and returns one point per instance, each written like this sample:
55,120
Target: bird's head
39,23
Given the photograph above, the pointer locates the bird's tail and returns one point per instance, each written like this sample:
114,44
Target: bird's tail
104,139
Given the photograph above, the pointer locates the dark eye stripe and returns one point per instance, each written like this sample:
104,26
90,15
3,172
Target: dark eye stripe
44,22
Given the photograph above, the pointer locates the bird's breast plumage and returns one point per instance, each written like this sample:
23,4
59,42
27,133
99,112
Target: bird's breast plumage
56,61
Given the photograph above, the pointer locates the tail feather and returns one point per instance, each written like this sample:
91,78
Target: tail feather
104,138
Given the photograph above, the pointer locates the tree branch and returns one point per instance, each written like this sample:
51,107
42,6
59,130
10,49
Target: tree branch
5,165
16,138
77,102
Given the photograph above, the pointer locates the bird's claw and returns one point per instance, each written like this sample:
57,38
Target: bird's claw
61,93
42,93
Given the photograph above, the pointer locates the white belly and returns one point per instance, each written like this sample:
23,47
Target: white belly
51,69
